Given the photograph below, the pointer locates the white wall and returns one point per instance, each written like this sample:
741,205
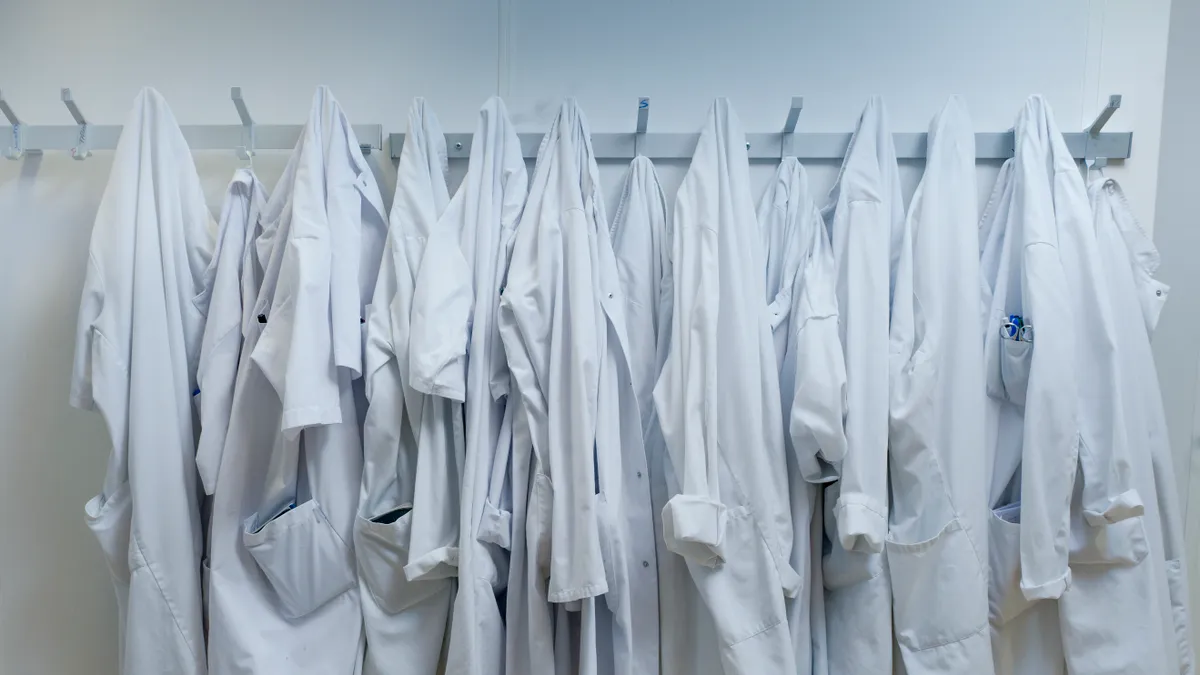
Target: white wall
56,610
1177,235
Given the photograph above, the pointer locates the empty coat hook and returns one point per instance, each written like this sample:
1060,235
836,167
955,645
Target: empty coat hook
1093,131
643,119
17,149
245,151
80,151
789,126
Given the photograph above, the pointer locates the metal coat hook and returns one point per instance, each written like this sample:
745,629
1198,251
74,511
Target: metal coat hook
789,126
17,149
246,151
1093,131
80,151
643,118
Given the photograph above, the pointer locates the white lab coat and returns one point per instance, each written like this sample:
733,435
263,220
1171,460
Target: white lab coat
408,502
1025,634
812,377
937,539
229,298
718,403
1132,616
641,243
865,217
589,530
136,352
455,315
283,596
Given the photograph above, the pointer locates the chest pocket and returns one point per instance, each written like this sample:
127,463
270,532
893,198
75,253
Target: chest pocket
1008,370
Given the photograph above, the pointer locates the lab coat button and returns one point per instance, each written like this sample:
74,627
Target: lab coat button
645,563
639,474
262,318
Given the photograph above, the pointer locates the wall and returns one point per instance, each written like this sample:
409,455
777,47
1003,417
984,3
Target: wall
56,609
1177,235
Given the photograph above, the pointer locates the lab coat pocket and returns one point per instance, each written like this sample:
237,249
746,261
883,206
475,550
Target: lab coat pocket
1005,598
1177,587
612,554
945,566
1015,359
1121,544
381,548
303,557
110,520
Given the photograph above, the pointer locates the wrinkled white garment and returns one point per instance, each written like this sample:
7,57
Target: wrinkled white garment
137,347
1025,635
937,539
408,501
459,285
802,304
1126,611
589,527
283,593
865,217
641,242
718,403
235,285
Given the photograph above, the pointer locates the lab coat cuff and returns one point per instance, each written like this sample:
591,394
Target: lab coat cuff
1050,590
440,563
1126,505
495,526
861,523
295,419
694,527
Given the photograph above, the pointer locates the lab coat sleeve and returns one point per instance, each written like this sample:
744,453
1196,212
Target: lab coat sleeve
686,399
443,303
862,507
548,316
818,411
295,350
1050,452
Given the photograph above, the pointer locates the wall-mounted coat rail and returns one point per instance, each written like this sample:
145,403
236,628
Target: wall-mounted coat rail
831,146
1089,145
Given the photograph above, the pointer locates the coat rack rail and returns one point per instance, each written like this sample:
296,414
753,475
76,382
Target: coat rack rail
812,146
199,136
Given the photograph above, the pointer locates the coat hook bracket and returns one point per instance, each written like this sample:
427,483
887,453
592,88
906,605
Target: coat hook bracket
789,126
245,151
80,150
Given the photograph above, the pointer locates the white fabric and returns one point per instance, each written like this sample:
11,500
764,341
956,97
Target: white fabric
283,595
641,243
812,377
459,287
137,349
588,514
234,286
865,217
1108,615
718,403
937,538
408,503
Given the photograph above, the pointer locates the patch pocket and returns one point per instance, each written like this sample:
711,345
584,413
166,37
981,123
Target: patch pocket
1015,359
303,557
942,567
613,554
381,547
1005,599
1177,587
110,521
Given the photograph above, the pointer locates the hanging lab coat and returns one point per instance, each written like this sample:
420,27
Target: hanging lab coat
641,244
229,296
937,539
1109,614
865,217
454,309
812,380
408,502
136,352
588,515
718,403
1025,635
283,596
